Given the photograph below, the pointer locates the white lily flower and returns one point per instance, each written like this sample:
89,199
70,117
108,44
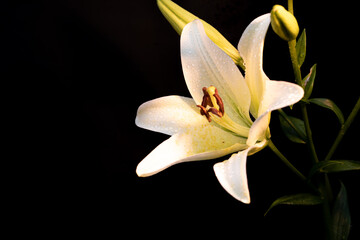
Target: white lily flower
216,122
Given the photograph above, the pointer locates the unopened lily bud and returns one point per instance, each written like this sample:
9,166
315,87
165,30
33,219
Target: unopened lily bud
284,23
179,17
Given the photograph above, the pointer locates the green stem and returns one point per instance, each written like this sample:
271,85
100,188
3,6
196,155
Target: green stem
298,79
343,130
324,187
291,6
294,61
284,160
291,167
310,141
326,209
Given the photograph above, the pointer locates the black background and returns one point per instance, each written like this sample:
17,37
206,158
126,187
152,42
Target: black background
75,72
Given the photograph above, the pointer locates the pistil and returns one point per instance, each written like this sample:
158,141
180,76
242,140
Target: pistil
211,103
212,106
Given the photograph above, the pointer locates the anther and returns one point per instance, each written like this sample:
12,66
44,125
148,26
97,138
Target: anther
206,101
204,112
219,102
211,103
216,112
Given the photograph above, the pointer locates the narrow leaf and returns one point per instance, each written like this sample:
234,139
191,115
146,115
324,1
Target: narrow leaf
308,82
301,48
305,199
293,128
332,166
329,104
341,220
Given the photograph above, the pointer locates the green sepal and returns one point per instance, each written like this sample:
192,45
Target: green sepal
341,219
304,199
301,48
332,166
293,128
308,82
329,104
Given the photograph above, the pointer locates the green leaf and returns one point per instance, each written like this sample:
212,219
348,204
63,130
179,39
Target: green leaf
301,48
329,104
293,128
305,199
308,82
332,166
341,220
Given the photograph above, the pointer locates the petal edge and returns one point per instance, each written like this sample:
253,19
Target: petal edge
169,115
196,144
251,47
232,175
205,64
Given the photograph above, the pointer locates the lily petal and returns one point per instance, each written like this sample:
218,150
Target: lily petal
194,137
199,143
251,47
179,17
232,175
278,95
205,64
169,115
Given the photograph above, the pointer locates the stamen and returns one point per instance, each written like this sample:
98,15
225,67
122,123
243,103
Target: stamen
212,100
212,107
216,112
219,102
206,101
203,112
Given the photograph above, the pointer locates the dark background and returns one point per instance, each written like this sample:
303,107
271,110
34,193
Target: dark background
74,73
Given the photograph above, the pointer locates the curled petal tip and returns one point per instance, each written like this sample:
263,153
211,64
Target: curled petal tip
232,176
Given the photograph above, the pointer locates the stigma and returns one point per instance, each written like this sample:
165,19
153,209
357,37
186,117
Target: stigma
211,103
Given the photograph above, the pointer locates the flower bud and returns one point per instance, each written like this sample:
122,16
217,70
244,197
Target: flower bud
179,17
284,23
